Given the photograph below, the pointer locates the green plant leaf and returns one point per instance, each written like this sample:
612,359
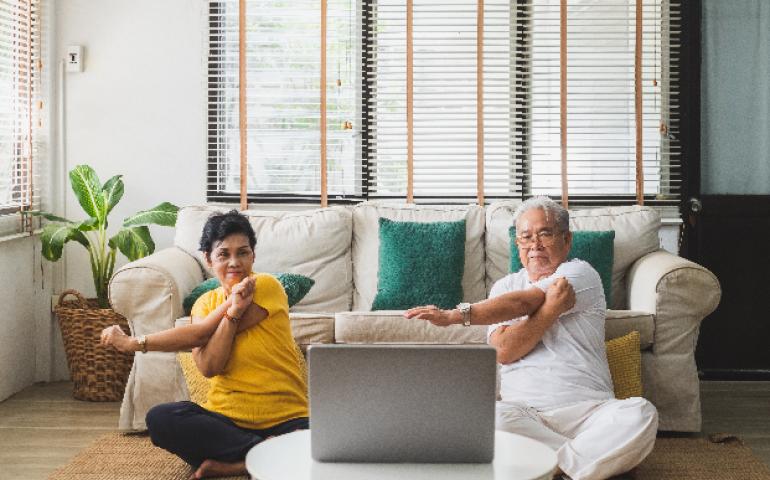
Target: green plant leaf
88,190
163,214
133,242
88,225
55,235
113,192
48,216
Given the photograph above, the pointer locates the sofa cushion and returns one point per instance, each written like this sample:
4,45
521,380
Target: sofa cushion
314,243
420,264
366,245
623,322
311,328
197,385
636,234
385,326
593,247
625,362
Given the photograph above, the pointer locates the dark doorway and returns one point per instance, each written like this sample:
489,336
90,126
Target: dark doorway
727,233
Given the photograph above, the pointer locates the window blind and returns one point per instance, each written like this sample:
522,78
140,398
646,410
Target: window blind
283,99
445,99
600,109
20,107
468,142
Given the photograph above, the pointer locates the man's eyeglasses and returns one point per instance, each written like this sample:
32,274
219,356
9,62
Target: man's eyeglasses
545,237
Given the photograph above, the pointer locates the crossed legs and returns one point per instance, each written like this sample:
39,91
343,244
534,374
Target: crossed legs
592,440
211,443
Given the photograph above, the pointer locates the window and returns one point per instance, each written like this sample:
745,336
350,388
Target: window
600,99
19,90
367,100
283,99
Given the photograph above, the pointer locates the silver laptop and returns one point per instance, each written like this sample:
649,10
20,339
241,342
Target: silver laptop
402,403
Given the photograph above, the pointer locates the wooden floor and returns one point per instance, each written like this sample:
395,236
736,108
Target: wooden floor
42,427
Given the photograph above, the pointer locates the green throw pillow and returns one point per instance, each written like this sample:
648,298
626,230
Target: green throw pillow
420,264
295,285
594,247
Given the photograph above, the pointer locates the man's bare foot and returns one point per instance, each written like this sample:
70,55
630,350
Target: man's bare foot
212,468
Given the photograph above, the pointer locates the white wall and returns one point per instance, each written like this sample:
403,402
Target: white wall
26,321
138,109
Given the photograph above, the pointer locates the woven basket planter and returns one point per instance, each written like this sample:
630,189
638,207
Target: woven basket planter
99,373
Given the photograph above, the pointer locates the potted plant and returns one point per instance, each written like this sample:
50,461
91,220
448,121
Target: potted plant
98,373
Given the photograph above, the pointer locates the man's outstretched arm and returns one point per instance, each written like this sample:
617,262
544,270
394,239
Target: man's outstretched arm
488,312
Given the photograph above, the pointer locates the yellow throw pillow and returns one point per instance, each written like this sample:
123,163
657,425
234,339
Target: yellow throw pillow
625,362
197,384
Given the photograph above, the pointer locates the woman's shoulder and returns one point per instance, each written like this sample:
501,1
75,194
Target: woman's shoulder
265,278
267,282
208,301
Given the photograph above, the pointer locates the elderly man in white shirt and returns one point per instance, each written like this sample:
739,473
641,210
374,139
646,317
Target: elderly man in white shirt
547,324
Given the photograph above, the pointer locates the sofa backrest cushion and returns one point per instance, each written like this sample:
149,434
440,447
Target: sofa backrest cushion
366,244
314,243
636,234
420,264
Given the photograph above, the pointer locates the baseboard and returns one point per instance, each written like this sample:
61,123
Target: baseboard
733,374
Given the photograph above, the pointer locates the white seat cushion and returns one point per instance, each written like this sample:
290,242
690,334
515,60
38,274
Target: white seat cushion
366,244
312,328
390,326
622,322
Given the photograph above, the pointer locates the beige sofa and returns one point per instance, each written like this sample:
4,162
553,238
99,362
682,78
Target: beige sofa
661,295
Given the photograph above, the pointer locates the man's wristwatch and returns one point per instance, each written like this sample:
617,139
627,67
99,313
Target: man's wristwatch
465,309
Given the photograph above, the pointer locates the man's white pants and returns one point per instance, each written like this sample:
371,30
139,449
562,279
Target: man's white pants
593,440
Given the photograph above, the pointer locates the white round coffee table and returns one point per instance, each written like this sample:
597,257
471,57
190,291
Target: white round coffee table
288,457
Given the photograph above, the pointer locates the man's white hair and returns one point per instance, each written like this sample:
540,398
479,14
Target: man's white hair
551,209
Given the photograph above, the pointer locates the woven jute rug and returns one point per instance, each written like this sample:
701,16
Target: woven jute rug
132,457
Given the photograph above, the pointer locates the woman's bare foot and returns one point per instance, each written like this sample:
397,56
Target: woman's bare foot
212,468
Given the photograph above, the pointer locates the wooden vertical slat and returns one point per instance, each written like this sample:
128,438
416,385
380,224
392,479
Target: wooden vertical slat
638,105
409,102
27,202
242,124
480,102
563,101
324,186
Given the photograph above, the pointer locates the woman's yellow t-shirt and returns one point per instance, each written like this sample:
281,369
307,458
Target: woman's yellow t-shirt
262,384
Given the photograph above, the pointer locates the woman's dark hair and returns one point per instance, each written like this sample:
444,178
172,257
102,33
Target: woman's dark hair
222,225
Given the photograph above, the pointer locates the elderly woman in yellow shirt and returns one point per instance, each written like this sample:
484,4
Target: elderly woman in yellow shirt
241,339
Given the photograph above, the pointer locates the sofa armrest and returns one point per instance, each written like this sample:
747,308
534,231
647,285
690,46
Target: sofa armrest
149,291
679,293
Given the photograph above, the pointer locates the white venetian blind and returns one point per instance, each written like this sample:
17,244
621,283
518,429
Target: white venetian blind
20,66
519,130
445,43
283,99
601,113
